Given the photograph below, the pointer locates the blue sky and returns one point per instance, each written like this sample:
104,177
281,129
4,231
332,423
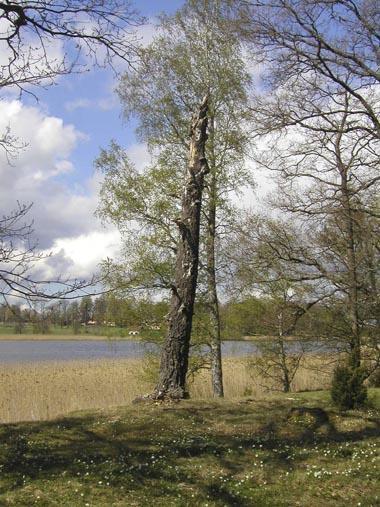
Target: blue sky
63,132
88,101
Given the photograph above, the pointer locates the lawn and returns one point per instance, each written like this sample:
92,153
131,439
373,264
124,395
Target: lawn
291,450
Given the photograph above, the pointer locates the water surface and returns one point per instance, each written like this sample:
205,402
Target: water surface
20,351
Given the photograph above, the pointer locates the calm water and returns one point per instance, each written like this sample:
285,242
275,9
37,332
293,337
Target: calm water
55,350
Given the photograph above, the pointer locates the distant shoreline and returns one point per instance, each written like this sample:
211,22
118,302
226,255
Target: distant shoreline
63,337
89,337
139,337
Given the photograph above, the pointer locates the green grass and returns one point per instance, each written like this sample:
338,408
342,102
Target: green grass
292,450
7,332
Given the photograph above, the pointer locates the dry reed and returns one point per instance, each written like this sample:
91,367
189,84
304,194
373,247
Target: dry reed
241,379
42,391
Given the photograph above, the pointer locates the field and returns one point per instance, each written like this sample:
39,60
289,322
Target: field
7,332
284,451
47,390
95,332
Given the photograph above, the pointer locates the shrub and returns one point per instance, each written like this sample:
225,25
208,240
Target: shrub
347,389
18,327
76,327
374,379
41,326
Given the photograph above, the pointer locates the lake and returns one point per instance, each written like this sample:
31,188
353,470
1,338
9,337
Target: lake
21,351
62,350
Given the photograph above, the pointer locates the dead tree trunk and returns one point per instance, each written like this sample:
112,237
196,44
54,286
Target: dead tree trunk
175,352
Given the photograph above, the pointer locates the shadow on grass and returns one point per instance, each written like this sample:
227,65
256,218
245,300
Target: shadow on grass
152,451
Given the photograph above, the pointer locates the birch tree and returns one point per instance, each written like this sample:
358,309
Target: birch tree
175,352
191,56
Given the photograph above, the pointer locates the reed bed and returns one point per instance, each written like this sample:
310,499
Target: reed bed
242,379
43,391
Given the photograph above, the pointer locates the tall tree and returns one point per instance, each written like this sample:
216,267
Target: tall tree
339,174
175,352
320,95
328,183
194,55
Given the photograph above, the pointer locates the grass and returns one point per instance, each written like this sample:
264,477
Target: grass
60,337
99,332
43,391
269,452
7,332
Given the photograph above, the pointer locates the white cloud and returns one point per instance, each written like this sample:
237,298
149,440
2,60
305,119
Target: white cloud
47,140
139,155
63,211
79,257
108,103
104,104
73,105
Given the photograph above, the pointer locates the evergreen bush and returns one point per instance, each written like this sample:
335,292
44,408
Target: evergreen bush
347,388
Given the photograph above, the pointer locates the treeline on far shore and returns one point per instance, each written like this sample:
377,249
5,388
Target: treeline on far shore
110,315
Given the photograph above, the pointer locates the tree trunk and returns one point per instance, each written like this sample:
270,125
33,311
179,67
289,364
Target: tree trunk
213,301
283,355
175,352
215,342
352,278
355,343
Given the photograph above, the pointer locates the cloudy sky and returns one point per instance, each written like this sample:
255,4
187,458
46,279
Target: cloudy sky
63,132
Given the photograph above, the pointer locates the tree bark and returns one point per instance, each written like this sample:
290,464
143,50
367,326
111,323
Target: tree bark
175,352
352,282
213,300
215,339
351,261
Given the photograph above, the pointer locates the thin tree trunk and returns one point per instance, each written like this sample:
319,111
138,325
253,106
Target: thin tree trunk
352,277
213,300
215,341
355,343
283,355
175,352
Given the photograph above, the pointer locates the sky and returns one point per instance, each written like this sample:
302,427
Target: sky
63,131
